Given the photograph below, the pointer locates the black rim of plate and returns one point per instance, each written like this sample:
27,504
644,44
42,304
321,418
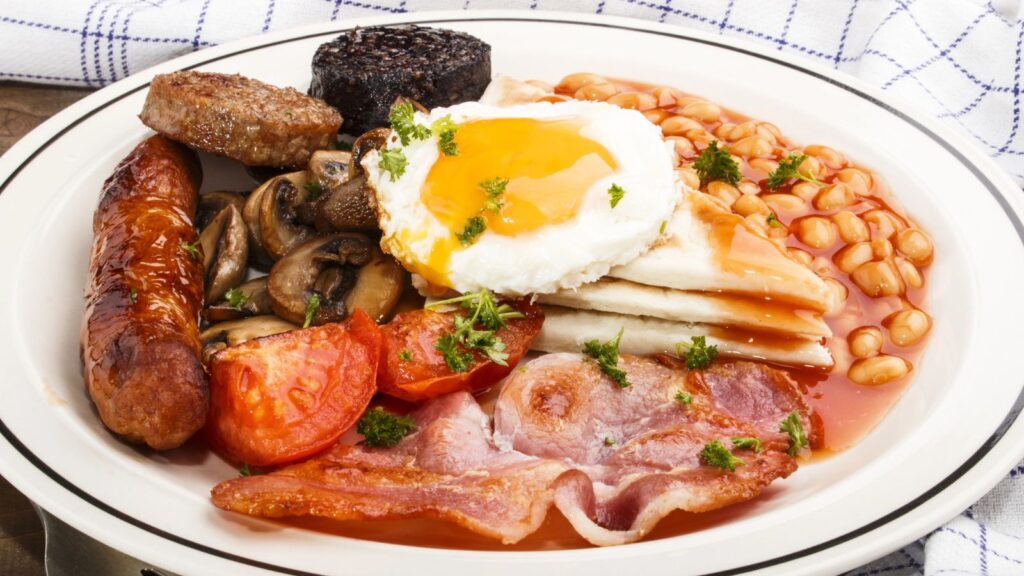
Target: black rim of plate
985,448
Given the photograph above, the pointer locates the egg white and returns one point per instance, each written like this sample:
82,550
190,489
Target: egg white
555,256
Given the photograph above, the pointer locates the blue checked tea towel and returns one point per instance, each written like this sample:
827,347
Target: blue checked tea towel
958,59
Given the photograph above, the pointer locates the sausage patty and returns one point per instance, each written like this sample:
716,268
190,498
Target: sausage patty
241,118
140,330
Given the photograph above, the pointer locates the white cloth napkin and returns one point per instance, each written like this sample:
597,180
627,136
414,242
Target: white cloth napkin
958,59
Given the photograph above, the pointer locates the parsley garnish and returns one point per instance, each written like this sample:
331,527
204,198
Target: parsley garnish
393,161
716,454
789,169
664,223
315,190
244,471
405,355
495,189
343,146
609,441
615,194
456,347
133,296
194,250
698,353
746,443
773,220
797,438
684,398
381,428
312,305
474,227
715,163
236,298
607,356
403,121
445,129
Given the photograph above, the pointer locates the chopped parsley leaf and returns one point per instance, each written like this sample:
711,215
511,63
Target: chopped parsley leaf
381,428
244,471
236,298
698,353
716,454
607,357
789,169
445,129
483,307
133,296
609,441
774,221
797,437
715,163
457,360
684,398
457,346
495,189
746,443
615,195
664,223
393,161
474,227
315,190
312,305
405,355
194,250
403,121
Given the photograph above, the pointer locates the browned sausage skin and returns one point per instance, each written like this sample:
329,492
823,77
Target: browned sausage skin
140,330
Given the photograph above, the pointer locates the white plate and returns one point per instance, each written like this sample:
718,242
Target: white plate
951,437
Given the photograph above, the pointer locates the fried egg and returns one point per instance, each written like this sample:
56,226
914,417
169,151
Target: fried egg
587,187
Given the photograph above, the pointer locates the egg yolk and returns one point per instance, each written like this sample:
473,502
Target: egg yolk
549,166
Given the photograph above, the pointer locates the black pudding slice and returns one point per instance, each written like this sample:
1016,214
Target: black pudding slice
362,71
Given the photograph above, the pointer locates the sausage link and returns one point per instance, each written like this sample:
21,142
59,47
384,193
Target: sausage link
140,330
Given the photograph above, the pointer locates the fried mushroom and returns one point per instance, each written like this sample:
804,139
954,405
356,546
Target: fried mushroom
279,225
341,272
329,168
211,203
225,252
234,332
248,299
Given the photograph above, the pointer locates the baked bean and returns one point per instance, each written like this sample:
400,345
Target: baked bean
723,191
828,156
851,227
802,256
915,245
679,125
816,232
724,131
878,278
857,180
853,256
878,370
701,138
667,96
834,197
785,204
882,223
768,127
766,165
911,275
596,92
656,116
748,187
573,82
634,101
748,204
865,341
752,147
839,295
758,221
733,132
805,190
881,248
701,110
689,177
907,327
683,147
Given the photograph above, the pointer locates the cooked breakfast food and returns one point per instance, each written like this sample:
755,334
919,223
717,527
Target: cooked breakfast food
241,118
140,330
364,70
615,298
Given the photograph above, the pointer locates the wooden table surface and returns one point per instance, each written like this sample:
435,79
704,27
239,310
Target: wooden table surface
22,108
